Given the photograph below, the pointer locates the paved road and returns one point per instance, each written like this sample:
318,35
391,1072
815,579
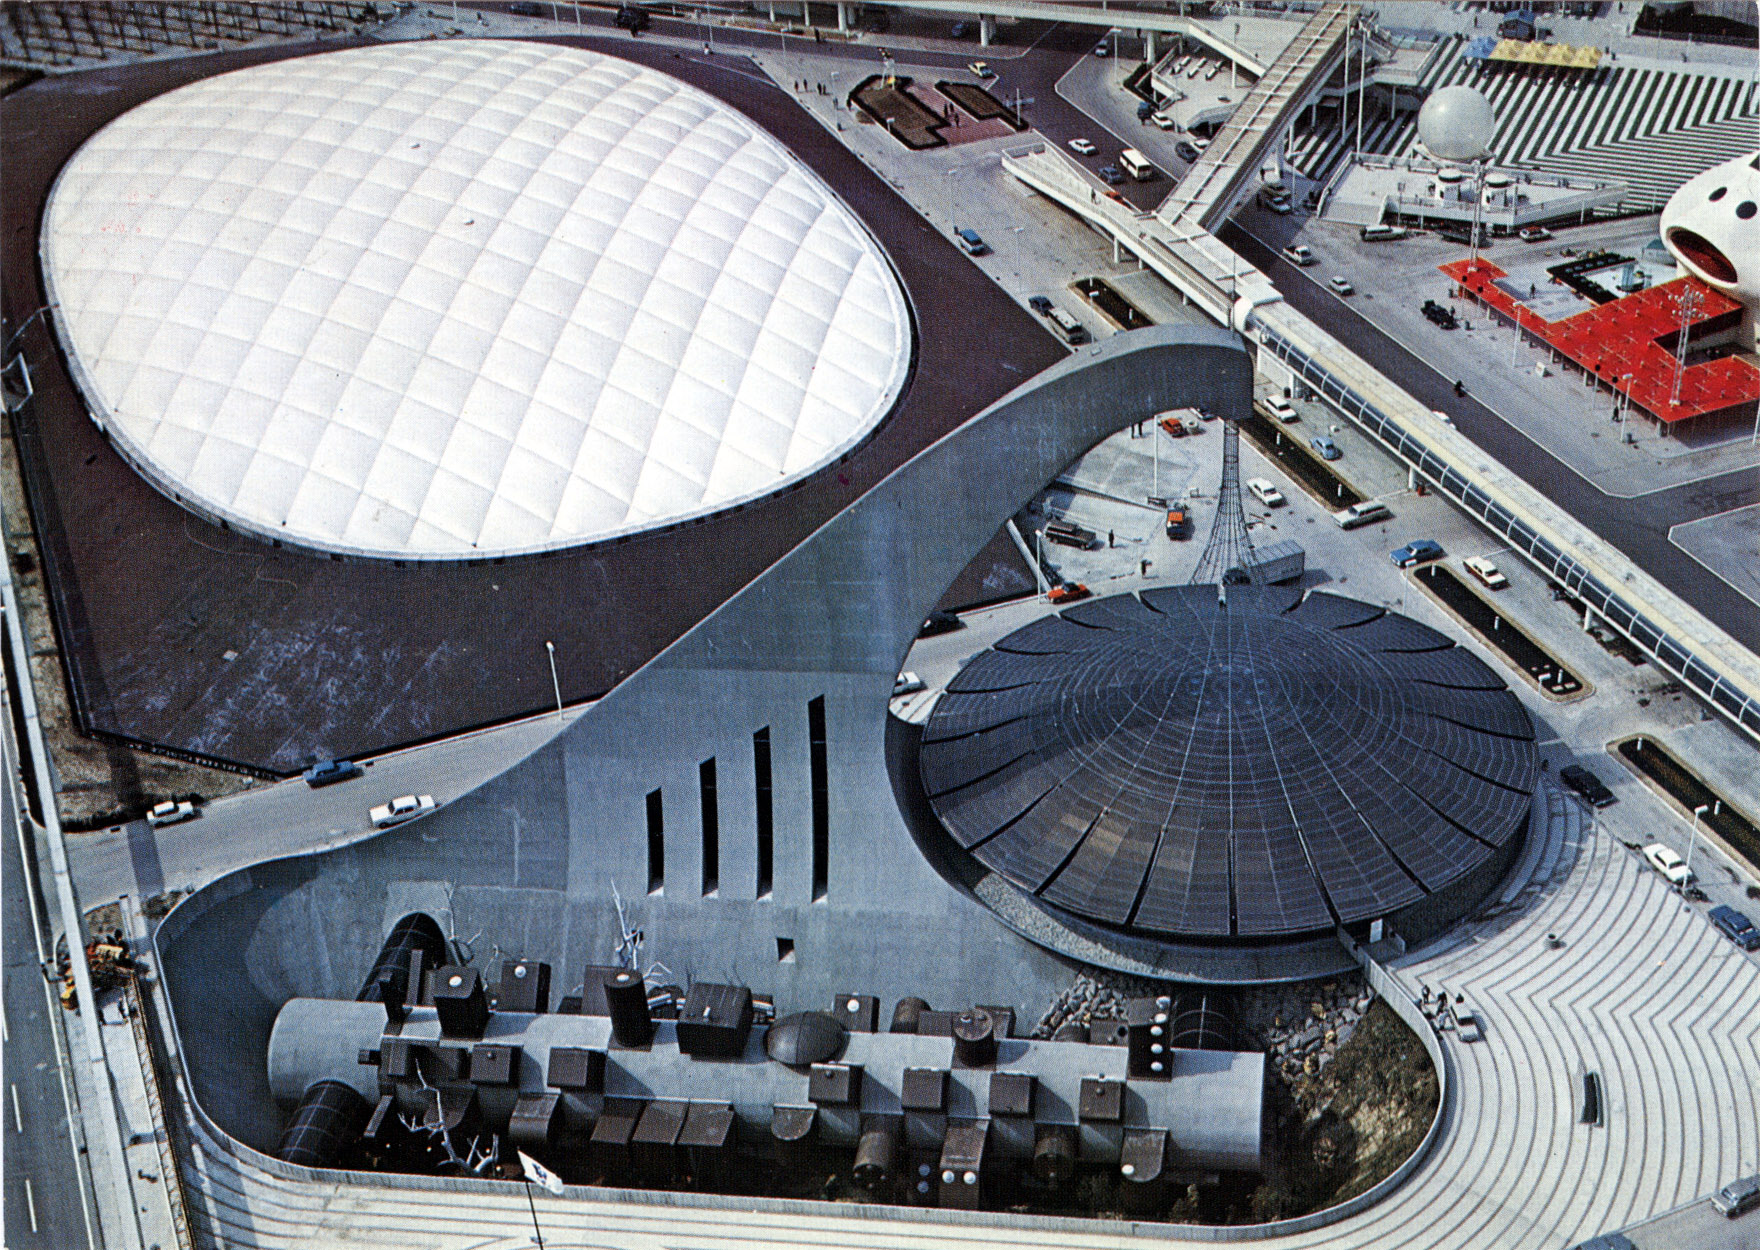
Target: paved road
40,1181
290,818
1698,1226
1639,527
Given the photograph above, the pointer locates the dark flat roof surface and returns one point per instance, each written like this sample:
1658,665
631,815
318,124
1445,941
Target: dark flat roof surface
1268,768
177,633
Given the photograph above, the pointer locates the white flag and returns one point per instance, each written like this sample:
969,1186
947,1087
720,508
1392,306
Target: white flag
537,1172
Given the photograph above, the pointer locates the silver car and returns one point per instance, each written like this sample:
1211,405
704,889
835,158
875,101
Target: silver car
1738,1196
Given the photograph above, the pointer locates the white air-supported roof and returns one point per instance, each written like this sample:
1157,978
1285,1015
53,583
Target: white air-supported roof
465,299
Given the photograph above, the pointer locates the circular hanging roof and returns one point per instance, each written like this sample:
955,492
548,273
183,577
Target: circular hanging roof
465,299
1262,769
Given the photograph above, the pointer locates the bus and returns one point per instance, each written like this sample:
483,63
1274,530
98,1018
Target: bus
1136,165
1073,331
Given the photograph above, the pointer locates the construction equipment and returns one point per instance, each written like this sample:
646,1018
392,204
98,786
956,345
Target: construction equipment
107,959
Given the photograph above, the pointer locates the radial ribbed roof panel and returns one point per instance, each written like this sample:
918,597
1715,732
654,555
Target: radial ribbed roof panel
1261,769
465,299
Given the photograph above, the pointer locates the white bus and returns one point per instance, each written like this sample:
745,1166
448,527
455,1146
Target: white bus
1136,165
1073,331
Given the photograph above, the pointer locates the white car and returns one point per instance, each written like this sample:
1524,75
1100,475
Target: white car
1082,147
1163,121
1486,572
1341,285
1670,865
408,807
982,69
1280,408
1201,143
1265,492
1466,1021
1300,254
906,683
170,813
1443,417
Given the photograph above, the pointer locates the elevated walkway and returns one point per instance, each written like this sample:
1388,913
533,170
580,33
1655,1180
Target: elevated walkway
1204,269
1223,176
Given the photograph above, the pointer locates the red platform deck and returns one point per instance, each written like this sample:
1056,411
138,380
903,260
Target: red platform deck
1618,342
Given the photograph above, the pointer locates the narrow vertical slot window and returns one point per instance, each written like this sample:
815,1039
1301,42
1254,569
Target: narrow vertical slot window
656,845
711,829
766,832
821,799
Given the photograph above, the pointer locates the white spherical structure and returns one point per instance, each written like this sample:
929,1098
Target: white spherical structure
465,299
1711,225
1457,124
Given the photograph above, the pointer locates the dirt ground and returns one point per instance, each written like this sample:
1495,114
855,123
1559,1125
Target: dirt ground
1346,1126
99,784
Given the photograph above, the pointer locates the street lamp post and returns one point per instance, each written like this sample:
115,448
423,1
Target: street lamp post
1693,840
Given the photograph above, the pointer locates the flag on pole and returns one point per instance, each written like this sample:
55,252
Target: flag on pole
539,1174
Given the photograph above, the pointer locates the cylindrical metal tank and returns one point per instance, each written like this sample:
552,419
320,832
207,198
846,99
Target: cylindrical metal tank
906,1015
876,1151
626,998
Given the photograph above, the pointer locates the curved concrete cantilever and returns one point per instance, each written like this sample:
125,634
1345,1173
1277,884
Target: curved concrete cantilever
853,595
787,683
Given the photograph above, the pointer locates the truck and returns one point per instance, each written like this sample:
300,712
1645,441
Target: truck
1281,561
1069,534
1179,522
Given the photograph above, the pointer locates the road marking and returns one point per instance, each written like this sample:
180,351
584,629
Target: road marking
30,1201
17,1115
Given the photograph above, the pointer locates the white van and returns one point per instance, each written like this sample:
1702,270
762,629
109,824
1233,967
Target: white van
1136,165
1276,406
1265,492
1362,514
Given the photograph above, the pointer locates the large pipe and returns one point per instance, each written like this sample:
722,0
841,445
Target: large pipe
326,1123
389,978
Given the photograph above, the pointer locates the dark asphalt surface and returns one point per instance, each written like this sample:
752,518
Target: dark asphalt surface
348,658
1639,527
43,1151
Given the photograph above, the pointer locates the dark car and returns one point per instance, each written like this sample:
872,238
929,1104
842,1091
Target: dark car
523,9
960,29
940,621
1040,304
1736,927
1416,552
1607,1241
330,772
1587,784
1110,175
1439,315
1185,151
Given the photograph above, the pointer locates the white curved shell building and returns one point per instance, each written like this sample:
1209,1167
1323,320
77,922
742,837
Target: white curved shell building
466,299
1711,225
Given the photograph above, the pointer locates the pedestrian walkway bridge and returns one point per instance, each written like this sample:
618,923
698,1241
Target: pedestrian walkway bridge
1226,172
